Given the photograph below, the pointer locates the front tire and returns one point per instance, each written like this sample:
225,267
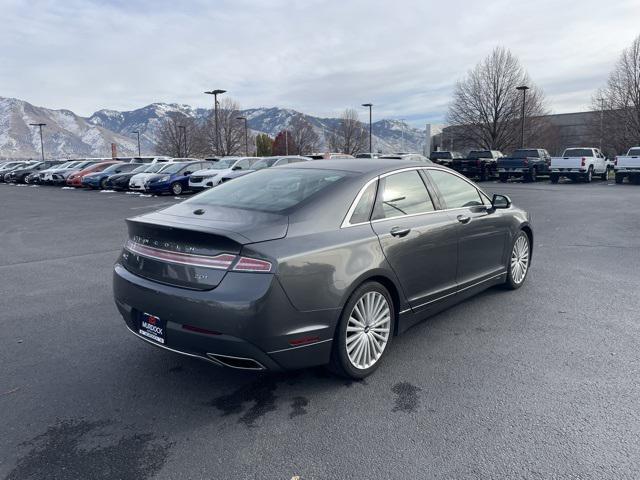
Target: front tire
364,332
176,188
504,177
519,261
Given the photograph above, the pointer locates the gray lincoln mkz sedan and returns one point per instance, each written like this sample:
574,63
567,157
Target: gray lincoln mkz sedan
315,263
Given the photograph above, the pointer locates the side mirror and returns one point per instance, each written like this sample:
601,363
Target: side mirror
188,172
237,168
500,201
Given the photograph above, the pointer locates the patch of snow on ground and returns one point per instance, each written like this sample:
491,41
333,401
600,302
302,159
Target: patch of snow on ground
107,191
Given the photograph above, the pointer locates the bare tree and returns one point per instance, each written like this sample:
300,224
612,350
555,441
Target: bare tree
180,136
617,123
231,130
303,136
486,107
351,136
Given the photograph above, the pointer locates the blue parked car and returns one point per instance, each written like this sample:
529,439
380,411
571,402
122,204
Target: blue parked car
174,178
99,179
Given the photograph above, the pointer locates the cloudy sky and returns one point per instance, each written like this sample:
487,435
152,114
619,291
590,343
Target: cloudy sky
316,56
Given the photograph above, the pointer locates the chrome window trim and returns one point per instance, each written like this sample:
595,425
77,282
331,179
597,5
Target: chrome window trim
346,223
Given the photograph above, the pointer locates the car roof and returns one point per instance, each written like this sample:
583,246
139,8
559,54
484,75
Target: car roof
358,165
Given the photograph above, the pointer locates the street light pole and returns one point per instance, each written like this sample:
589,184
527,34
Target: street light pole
215,94
183,134
246,135
402,133
138,133
523,89
370,106
40,125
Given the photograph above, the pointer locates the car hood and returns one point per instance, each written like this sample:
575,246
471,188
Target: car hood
142,176
210,173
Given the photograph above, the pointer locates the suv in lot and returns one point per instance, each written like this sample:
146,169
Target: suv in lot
526,163
580,163
23,173
628,166
482,164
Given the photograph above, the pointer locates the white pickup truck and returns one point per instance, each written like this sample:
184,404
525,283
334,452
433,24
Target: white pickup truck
628,166
579,164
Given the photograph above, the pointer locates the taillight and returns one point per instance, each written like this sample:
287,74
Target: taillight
582,162
615,161
222,261
478,163
526,161
246,264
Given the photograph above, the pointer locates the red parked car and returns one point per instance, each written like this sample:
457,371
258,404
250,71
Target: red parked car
75,179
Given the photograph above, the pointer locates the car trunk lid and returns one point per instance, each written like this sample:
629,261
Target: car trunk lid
194,247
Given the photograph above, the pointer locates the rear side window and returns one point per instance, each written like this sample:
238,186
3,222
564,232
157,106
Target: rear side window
402,194
456,192
362,212
270,189
634,152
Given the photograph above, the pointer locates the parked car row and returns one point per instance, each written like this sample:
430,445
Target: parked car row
155,175
576,164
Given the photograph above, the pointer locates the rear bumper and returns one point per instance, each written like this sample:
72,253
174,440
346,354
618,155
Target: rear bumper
250,315
627,169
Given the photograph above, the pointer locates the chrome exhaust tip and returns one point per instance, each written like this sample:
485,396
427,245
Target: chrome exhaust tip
240,363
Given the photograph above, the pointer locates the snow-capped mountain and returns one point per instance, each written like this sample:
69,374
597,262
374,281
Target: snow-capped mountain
65,134
69,135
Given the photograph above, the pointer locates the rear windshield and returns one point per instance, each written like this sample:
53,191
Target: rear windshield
634,151
440,156
578,152
269,189
480,154
525,153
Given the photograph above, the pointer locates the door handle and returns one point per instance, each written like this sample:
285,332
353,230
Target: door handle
463,218
399,231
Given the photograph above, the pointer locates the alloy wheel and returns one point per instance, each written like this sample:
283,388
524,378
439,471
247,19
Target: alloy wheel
520,259
368,330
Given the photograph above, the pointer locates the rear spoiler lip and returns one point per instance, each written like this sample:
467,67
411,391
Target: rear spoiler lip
160,220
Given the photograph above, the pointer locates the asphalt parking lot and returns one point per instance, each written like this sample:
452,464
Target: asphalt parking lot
537,383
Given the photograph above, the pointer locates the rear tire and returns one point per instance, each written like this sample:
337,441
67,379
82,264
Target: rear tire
362,337
554,177
483,175
518,262
531,176
503,177
588,176
103,184
619,178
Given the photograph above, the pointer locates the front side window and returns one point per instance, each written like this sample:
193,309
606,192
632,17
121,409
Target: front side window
456,192
402,194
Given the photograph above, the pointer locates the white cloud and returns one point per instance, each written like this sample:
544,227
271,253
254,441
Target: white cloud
315,56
